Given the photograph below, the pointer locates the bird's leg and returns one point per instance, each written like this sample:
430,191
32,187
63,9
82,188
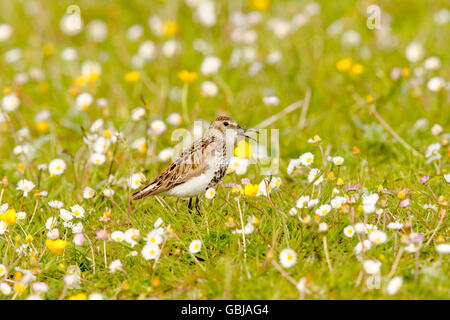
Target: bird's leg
197,205
190,205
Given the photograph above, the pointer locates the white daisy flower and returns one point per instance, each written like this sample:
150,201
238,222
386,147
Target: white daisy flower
209,89
51,223
210,65
107,192
5,289
195,246
138,113
394,286
323,227
271,101
435,84
53,234
71,24
414,52
115,266
88,193
293,163
25,186
154,237
174,119
165,154
2,270
98,158
371,266
5,31
131,236
210,193
307,159
443,248
432,63
432,152
377,237
55,204
312,203
288,257
337,202
369,202
77,211
338,161
313,175
366,245
147,50
158,223
96,31
349,231
135,32
3,227
21,215
118,236
150,251
323,210
158,127
65,215
83,101
302,202
293,211
395,225
10,102
135,181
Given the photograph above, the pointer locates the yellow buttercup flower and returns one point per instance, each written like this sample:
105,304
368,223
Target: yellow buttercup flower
250,190
19,287
344,64
170,28
8,217
357,69
107,134
187,76
259,4
56,246
132,76
42,126
80,296
244,150
405,72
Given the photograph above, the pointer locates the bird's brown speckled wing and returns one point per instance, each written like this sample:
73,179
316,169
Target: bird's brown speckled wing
190,163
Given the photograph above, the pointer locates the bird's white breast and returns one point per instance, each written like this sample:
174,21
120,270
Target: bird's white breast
195,186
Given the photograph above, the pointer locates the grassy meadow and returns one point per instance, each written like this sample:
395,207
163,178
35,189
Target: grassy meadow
96,95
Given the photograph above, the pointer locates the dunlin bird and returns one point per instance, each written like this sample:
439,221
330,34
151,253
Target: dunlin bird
199,167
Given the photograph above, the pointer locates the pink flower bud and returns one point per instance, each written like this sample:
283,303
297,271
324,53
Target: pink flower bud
424,179
101,234
78,239
404,203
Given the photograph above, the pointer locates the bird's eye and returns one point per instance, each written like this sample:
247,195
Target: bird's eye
225,124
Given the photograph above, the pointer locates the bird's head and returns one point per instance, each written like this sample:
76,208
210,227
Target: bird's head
227,127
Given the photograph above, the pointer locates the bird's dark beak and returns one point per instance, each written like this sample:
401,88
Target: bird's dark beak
245,130
244,135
